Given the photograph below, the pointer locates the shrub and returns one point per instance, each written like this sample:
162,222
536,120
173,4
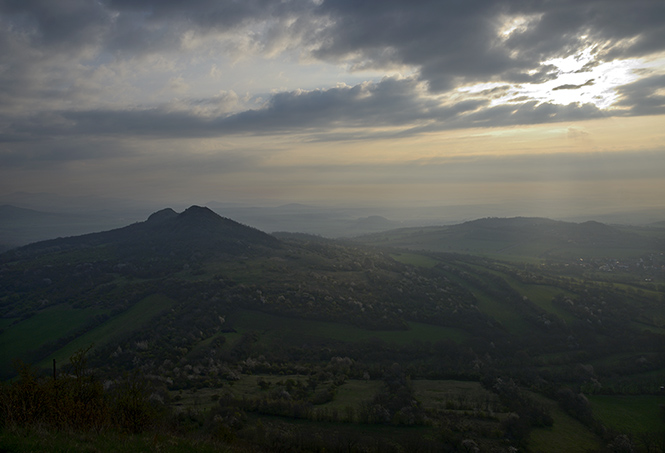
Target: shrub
76,400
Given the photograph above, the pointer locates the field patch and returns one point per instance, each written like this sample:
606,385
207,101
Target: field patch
350,394
297,329
630,413
354,392
541,295
122,324
451,394
566,433
415,259
21,340
509,318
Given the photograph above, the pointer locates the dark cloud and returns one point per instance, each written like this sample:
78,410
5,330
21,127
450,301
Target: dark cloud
448,43
531,112
153,25
61,24
395,103
451,40
446,40
574,87
642,98
392,102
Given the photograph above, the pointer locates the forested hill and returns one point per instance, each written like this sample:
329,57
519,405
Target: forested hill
197,229
524,236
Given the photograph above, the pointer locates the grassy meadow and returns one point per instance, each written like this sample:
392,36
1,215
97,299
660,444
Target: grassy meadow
566,433
114,328
630,413
282,328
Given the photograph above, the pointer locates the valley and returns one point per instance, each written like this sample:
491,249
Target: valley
495,334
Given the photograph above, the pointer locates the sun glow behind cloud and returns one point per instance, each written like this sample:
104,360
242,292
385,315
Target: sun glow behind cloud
579,79
515,24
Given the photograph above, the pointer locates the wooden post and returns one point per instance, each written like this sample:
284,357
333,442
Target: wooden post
54,369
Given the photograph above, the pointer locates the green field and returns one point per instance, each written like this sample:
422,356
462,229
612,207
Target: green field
465,395
354,392
351,393
273,327
541,295
415,259
433,394
25,337
509,318
566,433
630,413
123,324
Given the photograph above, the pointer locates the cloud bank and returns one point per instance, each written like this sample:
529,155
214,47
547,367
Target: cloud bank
243,85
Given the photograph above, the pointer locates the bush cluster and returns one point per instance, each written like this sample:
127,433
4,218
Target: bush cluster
76,400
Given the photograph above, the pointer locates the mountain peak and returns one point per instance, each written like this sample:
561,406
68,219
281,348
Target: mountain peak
162,215
199,212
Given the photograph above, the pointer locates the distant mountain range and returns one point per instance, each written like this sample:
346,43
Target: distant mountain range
520,235
20,226
524,236
31,217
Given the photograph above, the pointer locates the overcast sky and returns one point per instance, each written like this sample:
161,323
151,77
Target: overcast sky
347,101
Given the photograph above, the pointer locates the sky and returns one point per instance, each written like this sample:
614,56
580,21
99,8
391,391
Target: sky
557,104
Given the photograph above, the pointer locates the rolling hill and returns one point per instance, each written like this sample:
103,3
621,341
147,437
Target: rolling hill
525,237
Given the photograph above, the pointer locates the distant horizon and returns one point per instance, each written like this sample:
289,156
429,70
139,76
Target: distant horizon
448,213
